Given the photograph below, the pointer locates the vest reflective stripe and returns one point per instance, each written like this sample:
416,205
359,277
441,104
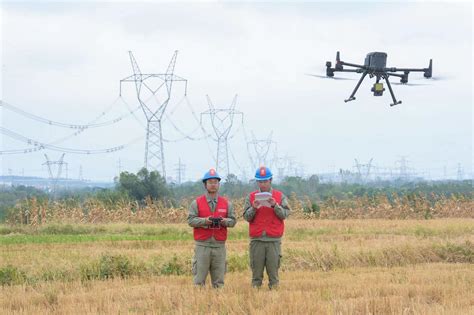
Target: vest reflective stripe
265,219
204,211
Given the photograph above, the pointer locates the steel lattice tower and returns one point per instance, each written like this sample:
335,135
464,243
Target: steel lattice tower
180,169
222,121
54,178
154,93
258,150
363,170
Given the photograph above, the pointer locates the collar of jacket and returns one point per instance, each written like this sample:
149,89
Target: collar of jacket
209,199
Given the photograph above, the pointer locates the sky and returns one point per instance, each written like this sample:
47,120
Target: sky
63,61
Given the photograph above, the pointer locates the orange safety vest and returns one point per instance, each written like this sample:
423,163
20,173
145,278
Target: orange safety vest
204,211
265,218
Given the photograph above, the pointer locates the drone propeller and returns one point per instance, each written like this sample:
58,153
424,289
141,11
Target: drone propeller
326,77
409,84
439,78
436,78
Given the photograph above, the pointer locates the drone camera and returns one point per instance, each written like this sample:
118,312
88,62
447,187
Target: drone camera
378,89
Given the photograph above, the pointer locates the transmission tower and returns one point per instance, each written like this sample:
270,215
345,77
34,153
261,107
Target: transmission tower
460,172
53,178
180,169
281,163
222,121
81,178
363,170
404,170
153,93
10,173
258,150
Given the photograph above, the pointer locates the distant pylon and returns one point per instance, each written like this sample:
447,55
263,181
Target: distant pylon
460,172
180,169
54,177
153,93
403,168
81,177
363,170
258,150
222,121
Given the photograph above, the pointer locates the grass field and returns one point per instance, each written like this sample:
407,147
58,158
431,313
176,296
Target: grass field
329,266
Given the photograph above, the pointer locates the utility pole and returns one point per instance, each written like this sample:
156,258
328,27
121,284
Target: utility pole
153,93
222,121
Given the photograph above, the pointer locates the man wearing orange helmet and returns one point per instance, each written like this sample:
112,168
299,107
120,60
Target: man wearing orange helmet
265,210
210,215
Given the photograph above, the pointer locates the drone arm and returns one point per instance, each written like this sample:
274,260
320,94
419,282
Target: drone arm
351,64
352,97
347,70
330,71
406,69
396,75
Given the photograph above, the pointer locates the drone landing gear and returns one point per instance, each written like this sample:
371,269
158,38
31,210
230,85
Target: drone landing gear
377,89
352,97
395,102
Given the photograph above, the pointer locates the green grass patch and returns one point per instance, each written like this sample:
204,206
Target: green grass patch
174,266
10,275
108,267
236,263
57,238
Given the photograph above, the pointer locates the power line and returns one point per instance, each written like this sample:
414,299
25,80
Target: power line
76,133
37,145
65,125
205,133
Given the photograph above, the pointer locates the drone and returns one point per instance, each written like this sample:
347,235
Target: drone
375,66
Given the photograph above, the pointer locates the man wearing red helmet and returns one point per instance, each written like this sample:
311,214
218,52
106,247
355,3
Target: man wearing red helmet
210,215
265,210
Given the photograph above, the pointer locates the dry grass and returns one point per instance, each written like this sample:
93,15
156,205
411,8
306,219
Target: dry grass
424,289
329,267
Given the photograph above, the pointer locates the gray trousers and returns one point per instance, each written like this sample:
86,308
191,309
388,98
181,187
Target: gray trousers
265,255
209,259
